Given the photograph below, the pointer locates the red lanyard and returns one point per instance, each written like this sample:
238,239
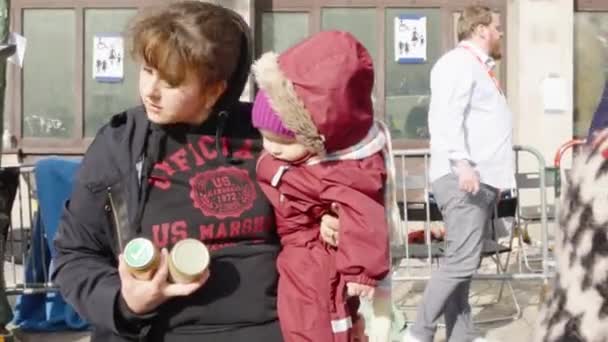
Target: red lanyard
489,70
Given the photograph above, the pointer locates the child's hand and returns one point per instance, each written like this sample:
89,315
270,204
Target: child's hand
360,290
330,226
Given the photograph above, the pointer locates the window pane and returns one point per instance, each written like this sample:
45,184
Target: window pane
590,68
361,22
48,73
104,99
407,85
282,30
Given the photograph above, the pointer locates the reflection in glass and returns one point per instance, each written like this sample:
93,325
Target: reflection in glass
407,85
48,73
361,22
101,100
590,70
280,30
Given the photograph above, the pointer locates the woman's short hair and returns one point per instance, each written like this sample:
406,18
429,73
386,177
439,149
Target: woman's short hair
187,36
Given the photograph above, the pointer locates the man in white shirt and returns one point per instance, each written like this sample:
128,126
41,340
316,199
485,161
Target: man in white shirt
471,159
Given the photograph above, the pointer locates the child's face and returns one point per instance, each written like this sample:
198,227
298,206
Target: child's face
284,148
189,102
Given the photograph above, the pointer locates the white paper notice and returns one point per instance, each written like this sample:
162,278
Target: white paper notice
555,94
108,58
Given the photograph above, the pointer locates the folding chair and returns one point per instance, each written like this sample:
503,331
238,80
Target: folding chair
532,214
553,182
9,178
506,207
416,204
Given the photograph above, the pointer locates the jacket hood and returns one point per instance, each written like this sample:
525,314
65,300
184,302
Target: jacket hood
321,88
237,82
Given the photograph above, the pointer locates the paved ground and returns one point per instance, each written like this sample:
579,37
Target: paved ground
485,307
406,295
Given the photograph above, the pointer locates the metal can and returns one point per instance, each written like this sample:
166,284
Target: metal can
188,261
142,258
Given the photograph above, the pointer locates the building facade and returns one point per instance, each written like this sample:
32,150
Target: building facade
554,70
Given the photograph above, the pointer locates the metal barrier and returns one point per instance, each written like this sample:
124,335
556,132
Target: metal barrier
414,195
538,180
17,243
559,155
554,176
24,244
418,207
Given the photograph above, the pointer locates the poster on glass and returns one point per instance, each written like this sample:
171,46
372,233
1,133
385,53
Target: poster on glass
108,58
410,39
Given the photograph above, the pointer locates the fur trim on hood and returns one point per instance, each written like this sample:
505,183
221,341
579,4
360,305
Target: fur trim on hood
321,88
285,101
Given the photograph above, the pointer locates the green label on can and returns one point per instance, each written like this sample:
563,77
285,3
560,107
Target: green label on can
139,253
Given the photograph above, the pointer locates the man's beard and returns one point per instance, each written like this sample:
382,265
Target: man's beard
495,51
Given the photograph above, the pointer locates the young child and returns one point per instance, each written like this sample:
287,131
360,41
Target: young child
577,308
314,111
